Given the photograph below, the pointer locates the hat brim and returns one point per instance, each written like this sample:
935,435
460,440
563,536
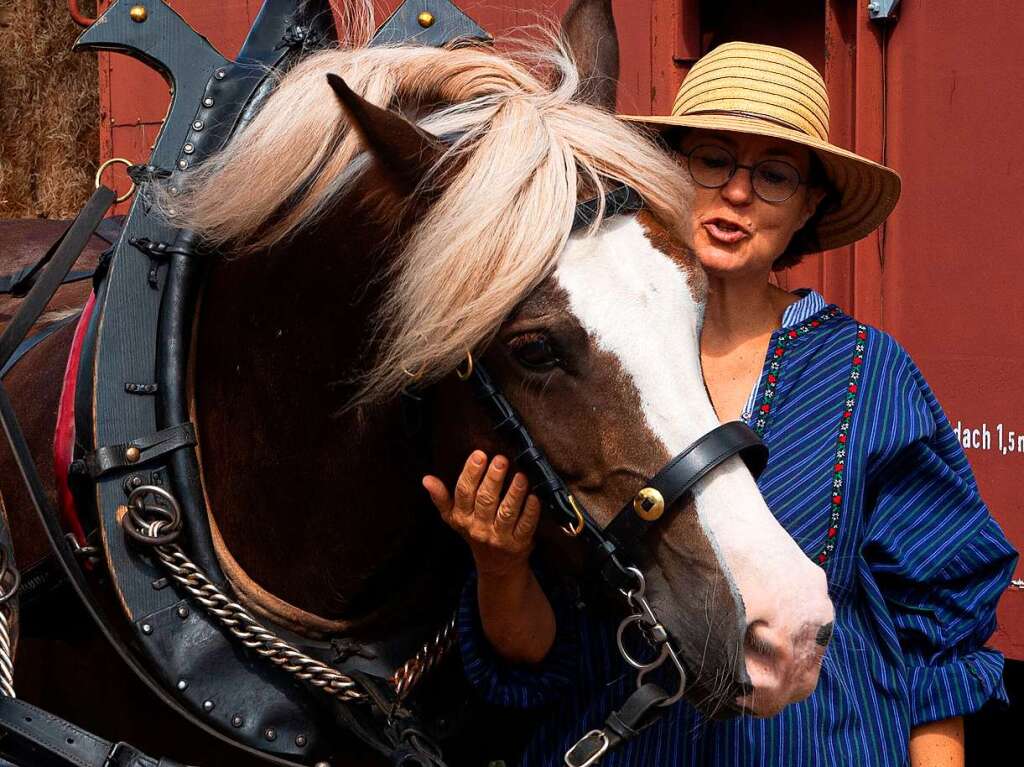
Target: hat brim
868,192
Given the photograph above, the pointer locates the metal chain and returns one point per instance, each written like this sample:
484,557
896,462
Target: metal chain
423,662
6,656
7,568
242,624
250,631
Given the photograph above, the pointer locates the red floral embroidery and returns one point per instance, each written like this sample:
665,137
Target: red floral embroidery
841,438
781,343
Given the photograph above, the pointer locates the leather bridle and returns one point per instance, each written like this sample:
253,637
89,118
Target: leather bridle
613,549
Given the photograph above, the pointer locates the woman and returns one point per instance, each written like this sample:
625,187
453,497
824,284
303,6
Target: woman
865,474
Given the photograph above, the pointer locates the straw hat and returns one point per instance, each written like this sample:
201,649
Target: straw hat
769,91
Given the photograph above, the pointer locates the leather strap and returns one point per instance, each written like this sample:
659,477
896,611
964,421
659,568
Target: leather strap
640,710
619,199
689,467
30,343
116,457
65,252
71,744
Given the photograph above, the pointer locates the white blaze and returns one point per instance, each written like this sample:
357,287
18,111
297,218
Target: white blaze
636,303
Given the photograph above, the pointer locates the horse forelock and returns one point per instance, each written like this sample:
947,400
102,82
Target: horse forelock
495,230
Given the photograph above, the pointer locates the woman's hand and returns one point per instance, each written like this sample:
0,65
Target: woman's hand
515,613
500,534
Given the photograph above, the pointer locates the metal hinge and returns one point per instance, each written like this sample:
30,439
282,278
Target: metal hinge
882,10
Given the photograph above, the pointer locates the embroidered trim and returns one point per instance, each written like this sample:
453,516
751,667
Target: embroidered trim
841,439
772,380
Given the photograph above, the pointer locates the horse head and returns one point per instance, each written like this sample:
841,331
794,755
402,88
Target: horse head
441,186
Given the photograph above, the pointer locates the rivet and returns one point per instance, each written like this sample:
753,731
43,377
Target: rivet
138,13
270,734
183,164
188,148
426,19
147,629
300,741
208,705
132,454
208,101
237,721
198,125
135,481
173,190
219,74
649,504
182,684
182,611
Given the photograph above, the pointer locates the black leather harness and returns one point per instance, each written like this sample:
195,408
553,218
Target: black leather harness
138,344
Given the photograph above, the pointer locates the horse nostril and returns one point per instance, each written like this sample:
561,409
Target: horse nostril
824,635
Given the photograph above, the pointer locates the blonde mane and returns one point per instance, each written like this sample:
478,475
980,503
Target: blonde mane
526,150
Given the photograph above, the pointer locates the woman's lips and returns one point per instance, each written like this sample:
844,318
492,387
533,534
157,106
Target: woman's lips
723,231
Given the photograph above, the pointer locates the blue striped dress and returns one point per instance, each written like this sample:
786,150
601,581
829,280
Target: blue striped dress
870,480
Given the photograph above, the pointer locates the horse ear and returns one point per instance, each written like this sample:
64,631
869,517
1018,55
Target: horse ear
405,152
588,29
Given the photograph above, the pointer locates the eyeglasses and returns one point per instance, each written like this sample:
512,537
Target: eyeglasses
712,167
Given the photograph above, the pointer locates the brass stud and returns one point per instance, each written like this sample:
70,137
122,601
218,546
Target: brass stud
426,19
649,504
138,13
132,455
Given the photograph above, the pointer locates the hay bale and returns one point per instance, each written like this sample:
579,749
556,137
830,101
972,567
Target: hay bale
49,111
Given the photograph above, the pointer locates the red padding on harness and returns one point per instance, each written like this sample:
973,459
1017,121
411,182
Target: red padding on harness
64,435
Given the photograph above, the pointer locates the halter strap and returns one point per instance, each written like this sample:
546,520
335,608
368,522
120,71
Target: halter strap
619,199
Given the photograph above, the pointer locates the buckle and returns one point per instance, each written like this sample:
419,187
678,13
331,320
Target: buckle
112,759
592,752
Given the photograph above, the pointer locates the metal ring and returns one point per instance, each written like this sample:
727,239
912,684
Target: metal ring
678,664
155,532
414,376
573,531
464,375
658,660
641,585
6,566
77,16
107,164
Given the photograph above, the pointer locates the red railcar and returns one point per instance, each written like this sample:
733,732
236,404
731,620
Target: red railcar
933,94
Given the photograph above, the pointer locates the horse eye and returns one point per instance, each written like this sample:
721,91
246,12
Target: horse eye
535,351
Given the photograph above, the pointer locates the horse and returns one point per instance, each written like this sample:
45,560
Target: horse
390,215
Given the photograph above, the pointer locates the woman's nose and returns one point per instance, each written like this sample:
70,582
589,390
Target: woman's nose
739,190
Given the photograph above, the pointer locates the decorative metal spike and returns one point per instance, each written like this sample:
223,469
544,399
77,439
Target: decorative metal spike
428,22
